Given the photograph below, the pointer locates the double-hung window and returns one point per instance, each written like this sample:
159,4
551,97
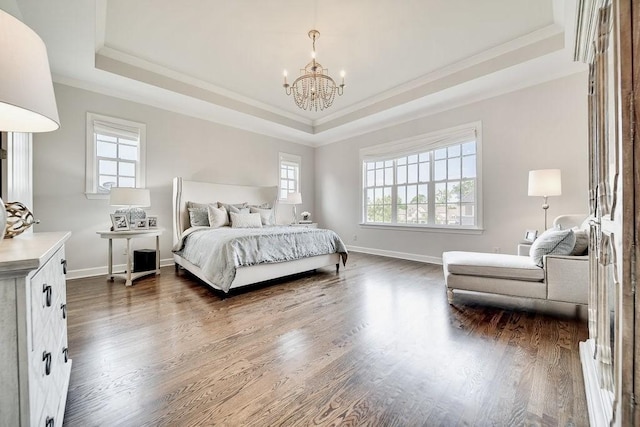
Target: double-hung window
289,174
429,181
115,154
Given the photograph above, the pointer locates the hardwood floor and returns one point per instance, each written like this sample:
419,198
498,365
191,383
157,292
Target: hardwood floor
376,345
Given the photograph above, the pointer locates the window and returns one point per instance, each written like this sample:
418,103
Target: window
429,181
115,154
289,174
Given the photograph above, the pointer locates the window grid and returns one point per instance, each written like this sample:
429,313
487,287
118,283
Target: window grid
289,177
435,187
117,159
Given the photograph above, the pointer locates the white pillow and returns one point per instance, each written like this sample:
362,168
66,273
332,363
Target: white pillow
552,241
250,220
217,216
267,216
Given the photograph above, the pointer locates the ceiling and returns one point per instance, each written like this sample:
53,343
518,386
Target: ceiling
222,60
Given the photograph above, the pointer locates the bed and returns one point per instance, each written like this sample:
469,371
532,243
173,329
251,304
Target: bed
185,191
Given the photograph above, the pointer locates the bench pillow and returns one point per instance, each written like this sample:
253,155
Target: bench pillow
552,241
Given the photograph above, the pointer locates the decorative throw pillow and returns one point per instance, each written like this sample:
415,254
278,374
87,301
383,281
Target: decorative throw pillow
582,241
239,208
217,216
267,215
198,217
197,205
552,241
250,220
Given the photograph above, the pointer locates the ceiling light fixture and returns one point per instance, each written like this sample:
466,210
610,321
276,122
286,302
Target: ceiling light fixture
314,89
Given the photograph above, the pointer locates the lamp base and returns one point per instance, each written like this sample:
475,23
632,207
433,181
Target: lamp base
132,213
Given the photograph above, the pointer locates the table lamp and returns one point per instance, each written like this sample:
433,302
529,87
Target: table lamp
27,100
133,198
294,199
545,183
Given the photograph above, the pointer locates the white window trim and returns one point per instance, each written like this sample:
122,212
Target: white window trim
293,158
90,162
431,140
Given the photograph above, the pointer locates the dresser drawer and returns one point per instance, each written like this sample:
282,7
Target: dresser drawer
48,339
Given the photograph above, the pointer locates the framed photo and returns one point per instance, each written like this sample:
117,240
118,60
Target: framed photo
120,222
530,235
141,224
153,221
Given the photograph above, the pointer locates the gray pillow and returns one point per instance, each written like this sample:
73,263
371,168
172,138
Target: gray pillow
582,242
552,241
198,217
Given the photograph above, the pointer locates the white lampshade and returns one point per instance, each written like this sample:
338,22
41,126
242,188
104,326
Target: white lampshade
294,198
132,197
27,100
545,182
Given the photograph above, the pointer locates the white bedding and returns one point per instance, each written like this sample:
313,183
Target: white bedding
218,252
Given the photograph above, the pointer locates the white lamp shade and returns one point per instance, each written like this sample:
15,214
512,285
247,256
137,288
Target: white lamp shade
121,196
294,198
545,182
27,100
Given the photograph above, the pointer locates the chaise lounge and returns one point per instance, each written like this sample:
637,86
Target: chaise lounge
554,277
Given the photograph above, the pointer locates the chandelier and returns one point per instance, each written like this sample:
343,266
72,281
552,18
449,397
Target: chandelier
314,89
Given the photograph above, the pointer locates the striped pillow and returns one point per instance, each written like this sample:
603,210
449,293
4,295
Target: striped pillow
552,241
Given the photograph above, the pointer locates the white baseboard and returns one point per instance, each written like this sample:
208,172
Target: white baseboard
599,401
394,254
103,271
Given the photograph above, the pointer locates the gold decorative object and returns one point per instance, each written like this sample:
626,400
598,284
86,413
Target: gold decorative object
19,219
314,89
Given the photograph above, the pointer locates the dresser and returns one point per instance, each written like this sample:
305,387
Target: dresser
34,361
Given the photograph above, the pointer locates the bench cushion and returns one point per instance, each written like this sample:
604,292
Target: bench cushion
502,266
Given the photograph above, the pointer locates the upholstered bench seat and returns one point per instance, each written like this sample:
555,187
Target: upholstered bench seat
493,265
563,278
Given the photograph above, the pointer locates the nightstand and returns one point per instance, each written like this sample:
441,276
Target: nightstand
524,247
305,225
129,276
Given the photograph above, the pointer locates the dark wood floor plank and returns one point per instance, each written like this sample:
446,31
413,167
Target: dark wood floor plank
377,344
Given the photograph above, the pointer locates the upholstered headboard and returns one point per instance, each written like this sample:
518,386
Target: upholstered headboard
205,192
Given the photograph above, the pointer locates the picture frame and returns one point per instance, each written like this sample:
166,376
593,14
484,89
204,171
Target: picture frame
141,224
120,222
153,221
530,235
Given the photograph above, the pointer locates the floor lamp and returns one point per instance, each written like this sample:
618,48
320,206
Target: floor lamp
545,183
27,100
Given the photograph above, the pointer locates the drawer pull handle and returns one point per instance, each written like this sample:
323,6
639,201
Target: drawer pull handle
46,358
64,266
49,422
47,291
65,351
63,307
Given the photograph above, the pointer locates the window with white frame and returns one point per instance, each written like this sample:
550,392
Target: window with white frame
428,181
115,154
289,166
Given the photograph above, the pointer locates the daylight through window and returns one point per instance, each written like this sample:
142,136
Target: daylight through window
117,154
433,182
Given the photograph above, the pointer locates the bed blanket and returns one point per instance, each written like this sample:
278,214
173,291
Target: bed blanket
218,252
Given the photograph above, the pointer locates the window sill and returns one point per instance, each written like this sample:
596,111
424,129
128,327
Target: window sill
422,228
97,196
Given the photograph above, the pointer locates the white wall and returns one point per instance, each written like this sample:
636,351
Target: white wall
177,145
540,127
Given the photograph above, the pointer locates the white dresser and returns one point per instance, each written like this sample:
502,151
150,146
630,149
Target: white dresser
34,363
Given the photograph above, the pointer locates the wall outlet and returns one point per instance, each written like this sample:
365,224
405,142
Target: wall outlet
355,237
496,250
